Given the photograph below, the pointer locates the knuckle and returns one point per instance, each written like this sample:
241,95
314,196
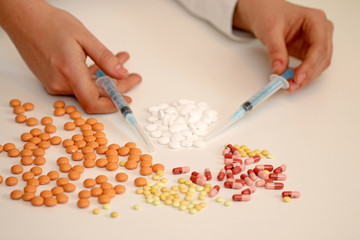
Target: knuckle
319,14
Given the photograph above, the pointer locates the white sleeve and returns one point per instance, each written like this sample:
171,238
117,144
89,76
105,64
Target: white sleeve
219,13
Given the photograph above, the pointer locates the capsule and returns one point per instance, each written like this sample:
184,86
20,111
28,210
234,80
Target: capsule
180,170
263,182
233,184
228,155
198,180
278,176
208,174
241,197
265,167
229,174
196,174
238,168
214,191
274,185
252,160
221,175
280,169
291,194
260,173
228,167
228,161
251,175
247,180
249,190
226,151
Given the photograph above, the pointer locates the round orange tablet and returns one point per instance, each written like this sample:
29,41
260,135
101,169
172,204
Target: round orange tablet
39,161
30,146
11,181
75,115
119,189
92,144
74,175
106,185
101,162
56,140
90,156
130,145
96,191
87,133
70,109
28,106
98,127
131,165
62,160
83,203
91,121
44,144
44,136
33,182
145,164
140,181
15,102
90,138
36,170
114,146
8,146
50,201
102,199
145,171
89,183
20,118
1,148
79,121
135,151
37,201
69,126
17,169
16,194
112,166
38,152
113,158
62,198
86,150
84,194
110,192
28,196
121,177
85,127
59,112
53,175
77,156
71,149
101,149
50,128
100,134
146,157
31,121
57,190
157,167
65,167
89,163
13,152
27,176
62,181
59,104
80,144
44,179
123,151
1,179
30,188
35,132
101,141
78,168
101,179
134,157
19,110
67,142
25,137
35,140
46,193
46,121
69,187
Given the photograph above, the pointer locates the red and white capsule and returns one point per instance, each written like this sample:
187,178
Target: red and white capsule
180,170
278,176
249,190
221,175
247,180
226,151
261,174
265,167
198,180
252,160
229,174
207,173
196,174
232,160
291,194
238,168
274,185
280,169
233,184
241,197
214,191
263,182
251,174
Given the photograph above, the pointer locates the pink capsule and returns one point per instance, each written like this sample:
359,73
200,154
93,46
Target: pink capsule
278,176
229,174
208,174
237,153
228,155
238,168
291,194
221,175
241,197
214,191
226,151
249,190
274,185
247,180
228,161
260,173
198,180
180,170
196,174
263,182
228,167
252,175
265,167
253,159
280,169
233,184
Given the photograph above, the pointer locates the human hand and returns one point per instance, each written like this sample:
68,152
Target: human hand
288,29
55,45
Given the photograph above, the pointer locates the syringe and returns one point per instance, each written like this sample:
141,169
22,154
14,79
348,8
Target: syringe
276,82
108,85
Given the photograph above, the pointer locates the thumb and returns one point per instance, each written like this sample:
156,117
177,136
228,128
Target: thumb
277,50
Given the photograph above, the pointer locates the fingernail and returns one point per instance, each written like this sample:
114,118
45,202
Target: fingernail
120,69
294,86
300,78
276,65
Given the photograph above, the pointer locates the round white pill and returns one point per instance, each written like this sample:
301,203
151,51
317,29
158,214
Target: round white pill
176,136
186,132
156,134
186,143
166,134
199,143
164,140
174,145
151,127
153,109
152,119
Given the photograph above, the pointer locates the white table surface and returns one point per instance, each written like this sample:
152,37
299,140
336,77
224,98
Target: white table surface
315,131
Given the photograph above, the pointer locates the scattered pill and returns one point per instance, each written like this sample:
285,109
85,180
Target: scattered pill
291,194
140,181
180,170
274,185
287,199
241,197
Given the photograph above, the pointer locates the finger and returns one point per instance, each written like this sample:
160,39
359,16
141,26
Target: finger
126,84
121,56
102,57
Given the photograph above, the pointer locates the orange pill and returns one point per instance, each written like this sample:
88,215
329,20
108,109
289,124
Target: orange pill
130,145
84,194
15,102
50,201
27,176
101,179
1,179
62,198
106,185
57,190
59,104
50,128
123,151
90,138
31,121
67,142
19,110
102,199
87,133
44,136
111,166
121,177
69,187
39,161
90,156
59,112
110,192
53,175
69,126
44,179
140,181
30,188
85,127
17,169
13,152
146,157
20,118
30,146
101,162
75,115
44,144
96,191
100,134
119,189
74,175
145,164
62,160
1,148
78,168
91,121
62,181
46,121
65,167
26,137
134,157
71,149
135,151
33,182
79,121
8,146
37,201
86,150
131,165
101,149
35,132
77,156
94,145
98,127
11,181
38,152
28,106
70,109
113,158
89,163
36,170
28,196
46,193
145,171
56,140
16,194
114,146
83,203
101,141
111,152
158,167
80,144
89,183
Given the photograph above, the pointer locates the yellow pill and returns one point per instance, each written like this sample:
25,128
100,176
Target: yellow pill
203,193
183,190
208,185
157,203
114,214
96,211
270,156
149,199
260,155
190,206
266,171
164,189
265,152
187,198
146,188
228,203
182,207
168,202
202,197
175,188
257,151
106,206
248,150
176,204
193,211
287,199
199,188
251,154
163,180
139,191
181,180
182,185
122,163
203,204
207,189
243,154
197,207
244,147
188,182
160,173
236,146
137,207
219,199
155,177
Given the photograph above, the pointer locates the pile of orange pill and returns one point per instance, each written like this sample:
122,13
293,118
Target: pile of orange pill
87,148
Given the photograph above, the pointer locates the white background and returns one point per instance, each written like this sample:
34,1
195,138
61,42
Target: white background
315,131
